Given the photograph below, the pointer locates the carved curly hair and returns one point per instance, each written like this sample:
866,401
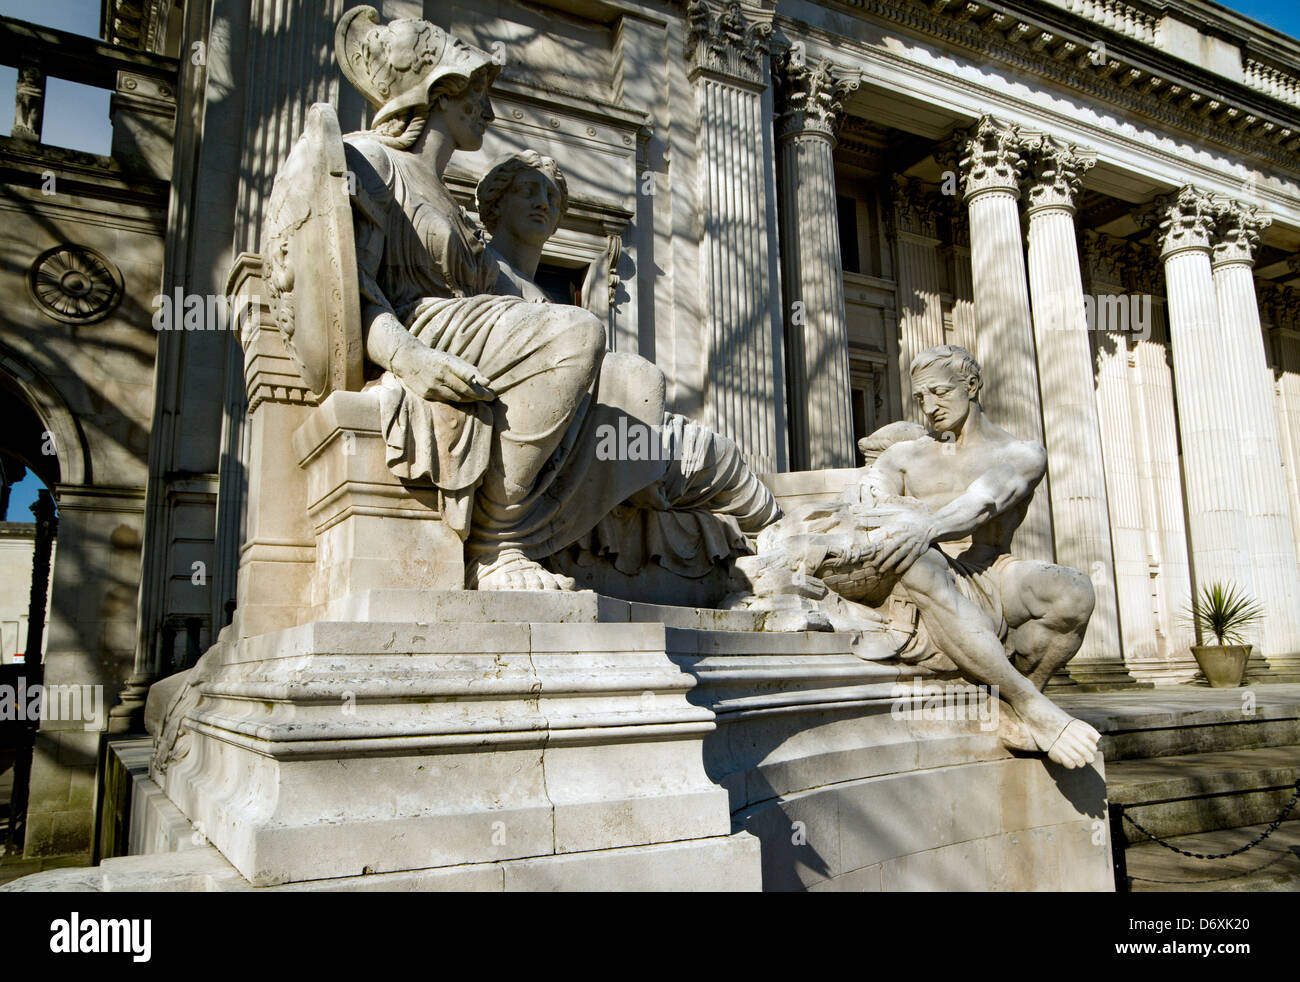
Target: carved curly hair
957,359
503,172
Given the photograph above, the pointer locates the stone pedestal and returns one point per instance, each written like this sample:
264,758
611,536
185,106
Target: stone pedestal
1268,517
1076,475
816,337
371,530
337,749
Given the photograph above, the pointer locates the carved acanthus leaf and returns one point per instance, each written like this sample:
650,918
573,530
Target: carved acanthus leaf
727,41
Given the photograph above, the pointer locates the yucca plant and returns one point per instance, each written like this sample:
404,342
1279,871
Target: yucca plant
1223,612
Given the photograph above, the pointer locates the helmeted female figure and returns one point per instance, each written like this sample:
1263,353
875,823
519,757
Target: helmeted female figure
492,396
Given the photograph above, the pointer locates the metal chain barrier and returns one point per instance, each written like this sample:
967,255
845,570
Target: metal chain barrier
1273,827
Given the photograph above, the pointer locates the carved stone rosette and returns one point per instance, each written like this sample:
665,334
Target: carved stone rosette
727,40
810,96
1236,232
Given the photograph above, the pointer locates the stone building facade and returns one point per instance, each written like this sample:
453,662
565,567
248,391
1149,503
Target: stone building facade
778,204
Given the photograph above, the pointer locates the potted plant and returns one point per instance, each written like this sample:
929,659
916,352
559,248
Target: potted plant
1223,612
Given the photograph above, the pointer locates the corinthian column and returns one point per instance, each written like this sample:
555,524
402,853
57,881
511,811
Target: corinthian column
816,336
920,282
1219,532
990,166
744,372
1080,518
1250,396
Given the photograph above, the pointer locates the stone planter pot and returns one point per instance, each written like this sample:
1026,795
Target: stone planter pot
1223,665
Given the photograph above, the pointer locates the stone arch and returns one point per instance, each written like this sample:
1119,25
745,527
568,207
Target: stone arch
44,398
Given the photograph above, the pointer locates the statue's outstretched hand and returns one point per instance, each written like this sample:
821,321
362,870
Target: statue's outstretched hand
440,376
903,544
906,533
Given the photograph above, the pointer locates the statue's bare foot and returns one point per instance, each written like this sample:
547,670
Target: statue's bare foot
1076,746
1068,741
512,570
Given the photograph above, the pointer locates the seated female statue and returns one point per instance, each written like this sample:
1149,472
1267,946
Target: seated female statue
493,397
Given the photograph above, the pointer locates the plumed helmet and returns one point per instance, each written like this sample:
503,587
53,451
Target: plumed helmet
398,65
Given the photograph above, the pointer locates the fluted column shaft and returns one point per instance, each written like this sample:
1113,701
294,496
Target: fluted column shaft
991,166
920,281
1268,517
744,394
816,336
1077,479
1215,492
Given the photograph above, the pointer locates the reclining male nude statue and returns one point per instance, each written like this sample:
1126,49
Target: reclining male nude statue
923,543
491,396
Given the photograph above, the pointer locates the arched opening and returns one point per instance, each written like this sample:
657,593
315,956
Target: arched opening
29,470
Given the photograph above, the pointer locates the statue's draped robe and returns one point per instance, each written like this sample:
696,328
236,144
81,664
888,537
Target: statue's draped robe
422,259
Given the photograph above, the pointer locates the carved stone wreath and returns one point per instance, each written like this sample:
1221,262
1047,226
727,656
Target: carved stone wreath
75,284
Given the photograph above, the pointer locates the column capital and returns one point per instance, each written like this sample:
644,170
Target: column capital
915,208
1183,220
1236,232
810,95
1055,171
731,39
1105,257
957,220
987,157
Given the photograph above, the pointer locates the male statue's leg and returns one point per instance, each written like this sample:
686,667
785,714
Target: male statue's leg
1047,608
962,631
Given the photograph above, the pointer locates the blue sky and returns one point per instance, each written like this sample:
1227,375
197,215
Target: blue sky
21,499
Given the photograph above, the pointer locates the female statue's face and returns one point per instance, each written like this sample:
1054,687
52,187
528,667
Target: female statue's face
530,208
469,114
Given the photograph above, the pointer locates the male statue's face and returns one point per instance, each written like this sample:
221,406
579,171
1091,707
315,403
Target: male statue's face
469,114
530,208
943,396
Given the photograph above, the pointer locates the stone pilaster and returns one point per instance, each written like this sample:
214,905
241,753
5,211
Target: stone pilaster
1250,396
1215,495
744,378
919,276
1077,478
816,335
990,166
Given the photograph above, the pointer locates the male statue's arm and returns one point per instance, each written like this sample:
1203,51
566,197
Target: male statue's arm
1010,480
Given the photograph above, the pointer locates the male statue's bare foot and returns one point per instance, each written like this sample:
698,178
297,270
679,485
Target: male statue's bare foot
1071,745
1076,746
510,569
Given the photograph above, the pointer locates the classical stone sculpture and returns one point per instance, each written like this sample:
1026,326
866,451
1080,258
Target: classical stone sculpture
919,553
492,398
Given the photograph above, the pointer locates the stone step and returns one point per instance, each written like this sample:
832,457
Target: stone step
1200,737
1195,793
1273,865
1189,720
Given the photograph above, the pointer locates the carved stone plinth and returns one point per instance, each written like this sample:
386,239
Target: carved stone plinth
372,531
335,749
